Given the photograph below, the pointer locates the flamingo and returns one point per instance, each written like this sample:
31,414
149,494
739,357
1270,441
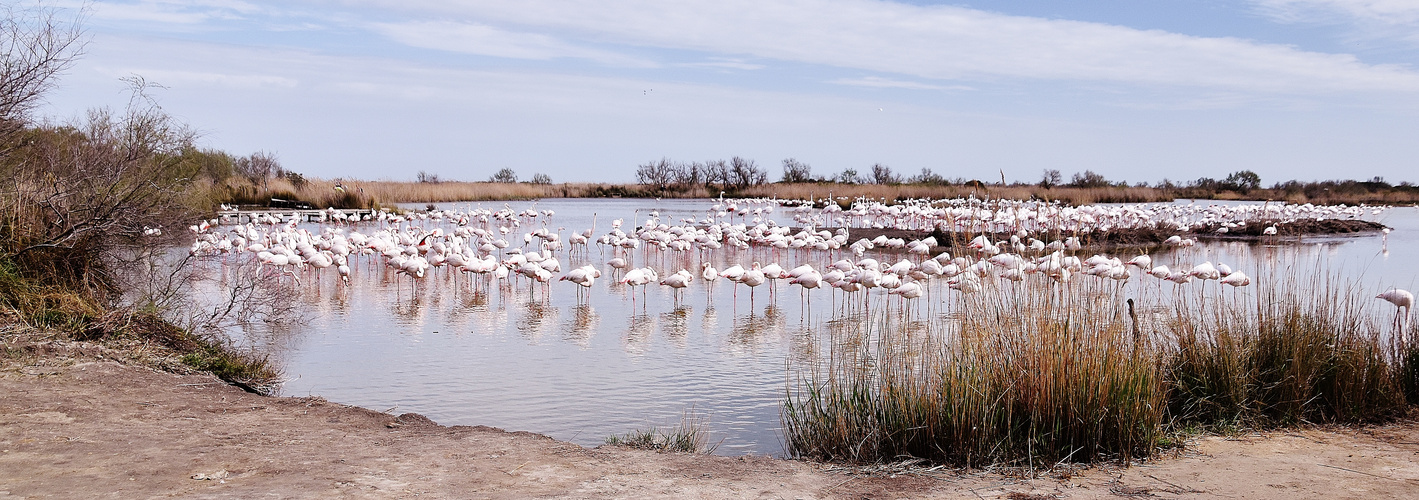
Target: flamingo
1237,279
1143,262
908,290
584,276
1205,271
638,277
735,273
677,281
1404,304
753,278
808,279
618,264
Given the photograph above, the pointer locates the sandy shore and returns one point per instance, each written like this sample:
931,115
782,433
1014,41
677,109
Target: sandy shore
76,424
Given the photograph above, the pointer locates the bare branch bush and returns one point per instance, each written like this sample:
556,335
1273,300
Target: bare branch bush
187,291
659,173
79,195
744,173
882,174
36,45
796,171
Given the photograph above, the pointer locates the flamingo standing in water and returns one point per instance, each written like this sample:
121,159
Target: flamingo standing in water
709,274
638,277
677,281
735,273
754,277
809,280
1404,303
1237,279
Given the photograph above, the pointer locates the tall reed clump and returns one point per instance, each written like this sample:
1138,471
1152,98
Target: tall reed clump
1409,367
1024,375
1304,350
1036,372
318,193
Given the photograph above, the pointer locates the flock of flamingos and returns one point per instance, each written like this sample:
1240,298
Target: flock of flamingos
1013,240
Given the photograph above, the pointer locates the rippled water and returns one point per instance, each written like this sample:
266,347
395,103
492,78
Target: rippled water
545,361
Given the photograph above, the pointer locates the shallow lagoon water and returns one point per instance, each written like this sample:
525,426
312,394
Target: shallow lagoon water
581,369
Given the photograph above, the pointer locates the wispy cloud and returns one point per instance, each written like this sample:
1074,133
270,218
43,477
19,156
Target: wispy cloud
366,115
724,63
481,39
879,82
933,42
1387,11
170,12
1371,18
206,79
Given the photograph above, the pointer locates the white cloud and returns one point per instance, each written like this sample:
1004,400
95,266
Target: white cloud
933,42
1370,18
207,79
374,117
1385,11
471,38
724,63
171,12
879,82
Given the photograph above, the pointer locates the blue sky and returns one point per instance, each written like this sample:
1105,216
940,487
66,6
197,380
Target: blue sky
585,90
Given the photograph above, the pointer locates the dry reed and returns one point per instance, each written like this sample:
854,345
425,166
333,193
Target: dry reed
1037,373
1026,376
895,192
321,193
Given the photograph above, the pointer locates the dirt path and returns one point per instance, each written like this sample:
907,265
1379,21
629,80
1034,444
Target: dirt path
78,426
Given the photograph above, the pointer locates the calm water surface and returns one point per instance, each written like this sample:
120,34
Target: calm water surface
543,360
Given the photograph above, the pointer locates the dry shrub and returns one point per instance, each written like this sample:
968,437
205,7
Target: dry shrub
1301,351
1023,378
1036,373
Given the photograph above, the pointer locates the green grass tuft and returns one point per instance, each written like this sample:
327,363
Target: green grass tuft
691,435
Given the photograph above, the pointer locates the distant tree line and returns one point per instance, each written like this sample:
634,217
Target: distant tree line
505,175
733,174
795,171
738,173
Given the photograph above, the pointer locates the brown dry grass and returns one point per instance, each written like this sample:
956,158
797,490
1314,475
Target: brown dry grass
888,192
321,193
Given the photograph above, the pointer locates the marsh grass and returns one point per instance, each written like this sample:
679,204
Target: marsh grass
42,304
250,371
319,193
896,192
690,435
436,192
993,385
1304,350
69,312
243,368
1033,374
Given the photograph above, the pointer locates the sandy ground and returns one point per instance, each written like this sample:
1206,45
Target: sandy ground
76,424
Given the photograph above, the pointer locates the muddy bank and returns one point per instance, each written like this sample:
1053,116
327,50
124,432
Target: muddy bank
75,423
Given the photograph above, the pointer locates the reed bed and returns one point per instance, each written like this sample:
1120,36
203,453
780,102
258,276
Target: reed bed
1034,373
1027,377
894,192
436,192
321,193
318,193
1302,350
